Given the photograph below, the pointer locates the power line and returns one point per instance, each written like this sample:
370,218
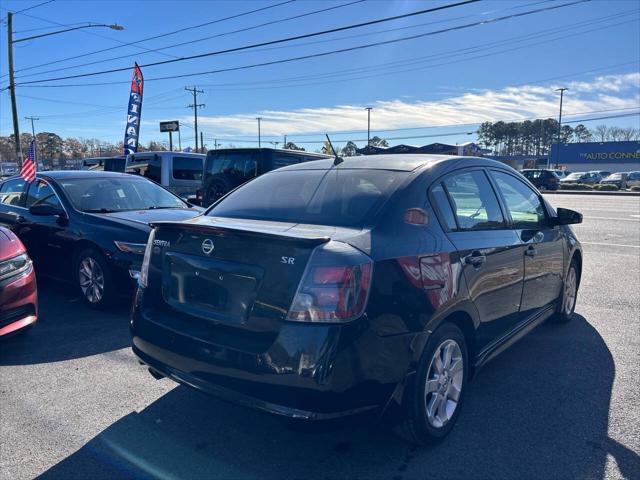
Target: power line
212,22
304,57
415,60
175,45
273,42
32,7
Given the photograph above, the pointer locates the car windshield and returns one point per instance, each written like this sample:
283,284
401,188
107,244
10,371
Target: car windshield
576,176
614,176
339,197
116,194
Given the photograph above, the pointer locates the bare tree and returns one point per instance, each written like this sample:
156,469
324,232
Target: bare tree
601,132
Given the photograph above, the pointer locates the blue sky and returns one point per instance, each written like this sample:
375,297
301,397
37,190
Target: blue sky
428,86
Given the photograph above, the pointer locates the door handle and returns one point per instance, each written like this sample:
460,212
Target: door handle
476,258
530,251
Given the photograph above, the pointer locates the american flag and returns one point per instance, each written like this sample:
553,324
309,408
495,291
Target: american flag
28,171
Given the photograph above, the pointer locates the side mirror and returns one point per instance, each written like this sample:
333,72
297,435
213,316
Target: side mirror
566,217
44,209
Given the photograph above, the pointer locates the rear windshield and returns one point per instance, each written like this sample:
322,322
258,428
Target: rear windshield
577,175
337,197
187,168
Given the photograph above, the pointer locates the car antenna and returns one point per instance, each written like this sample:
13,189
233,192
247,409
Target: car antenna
337,160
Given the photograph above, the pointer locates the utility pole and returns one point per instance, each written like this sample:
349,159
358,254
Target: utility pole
201,142
33,130
285,142
195,105
368,109
561,90
215,143
12,88
259,134
179,138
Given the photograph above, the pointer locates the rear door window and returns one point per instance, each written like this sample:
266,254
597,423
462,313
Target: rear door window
441,201
474,202
12,192
187,168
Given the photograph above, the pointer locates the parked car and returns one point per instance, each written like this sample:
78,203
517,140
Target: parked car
618,179
178,172
88,227
589,178
633,179
602,173
379,285
542,179
18,291
226,169
561,173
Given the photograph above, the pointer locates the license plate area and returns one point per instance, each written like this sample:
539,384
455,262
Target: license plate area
209,288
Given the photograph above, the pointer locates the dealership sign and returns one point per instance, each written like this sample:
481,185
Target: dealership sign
615,152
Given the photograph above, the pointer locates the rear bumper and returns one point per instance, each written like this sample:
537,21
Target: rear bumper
310,372
18,302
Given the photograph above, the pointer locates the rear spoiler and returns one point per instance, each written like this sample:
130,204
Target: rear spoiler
219,228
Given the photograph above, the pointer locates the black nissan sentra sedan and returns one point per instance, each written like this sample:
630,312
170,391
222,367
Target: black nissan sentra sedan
89,228
377,284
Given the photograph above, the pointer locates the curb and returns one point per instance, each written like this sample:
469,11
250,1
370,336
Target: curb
592,192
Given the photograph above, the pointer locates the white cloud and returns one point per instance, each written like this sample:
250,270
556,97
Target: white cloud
519,102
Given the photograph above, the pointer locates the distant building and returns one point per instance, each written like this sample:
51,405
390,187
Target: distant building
468,148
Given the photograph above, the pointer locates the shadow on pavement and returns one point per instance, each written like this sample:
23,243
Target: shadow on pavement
67,329
540,410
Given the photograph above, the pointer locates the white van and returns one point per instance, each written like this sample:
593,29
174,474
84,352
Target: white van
179,172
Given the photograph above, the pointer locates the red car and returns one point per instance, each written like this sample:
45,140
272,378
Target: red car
18,291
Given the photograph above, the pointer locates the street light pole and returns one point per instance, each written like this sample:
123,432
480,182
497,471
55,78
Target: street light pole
12,84
259,133
368,109
561,90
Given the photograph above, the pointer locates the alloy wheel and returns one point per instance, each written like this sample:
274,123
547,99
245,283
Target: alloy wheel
91,279
444,383
570,292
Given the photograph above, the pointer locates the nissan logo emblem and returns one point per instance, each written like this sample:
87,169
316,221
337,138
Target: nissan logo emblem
207,246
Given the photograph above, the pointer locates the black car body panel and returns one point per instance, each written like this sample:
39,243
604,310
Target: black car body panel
54,240
422,276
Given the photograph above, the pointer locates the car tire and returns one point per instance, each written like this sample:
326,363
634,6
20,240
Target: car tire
93,278
217,189
569,295
426,418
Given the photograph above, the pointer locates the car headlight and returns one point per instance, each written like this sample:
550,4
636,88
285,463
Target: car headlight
14,266
135,248
143,278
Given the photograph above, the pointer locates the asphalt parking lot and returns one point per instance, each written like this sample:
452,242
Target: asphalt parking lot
562,403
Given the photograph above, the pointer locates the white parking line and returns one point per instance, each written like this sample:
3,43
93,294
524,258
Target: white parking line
610,244
589,217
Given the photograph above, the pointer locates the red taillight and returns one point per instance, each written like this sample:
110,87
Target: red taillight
335,286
